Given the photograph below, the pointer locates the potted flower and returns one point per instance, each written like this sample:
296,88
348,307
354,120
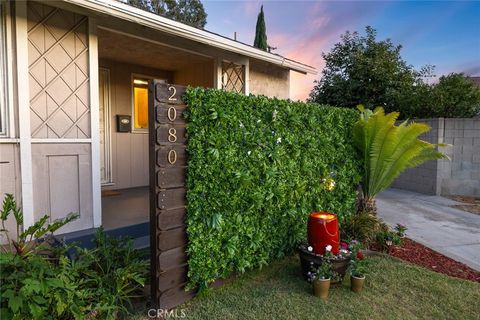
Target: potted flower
322,275
358,268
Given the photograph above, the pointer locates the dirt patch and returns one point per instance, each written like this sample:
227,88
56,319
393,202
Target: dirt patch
472,204
418,254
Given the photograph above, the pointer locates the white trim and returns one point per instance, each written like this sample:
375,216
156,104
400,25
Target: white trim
4,84
95,122
126,12
107,148
10,55
23,98
246,76
217,73
9,140
60,140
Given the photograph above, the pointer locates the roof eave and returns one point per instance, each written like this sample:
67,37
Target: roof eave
127,12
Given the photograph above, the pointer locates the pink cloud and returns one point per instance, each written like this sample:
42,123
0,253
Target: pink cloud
251,8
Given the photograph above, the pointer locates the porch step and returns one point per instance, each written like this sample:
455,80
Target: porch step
140,233
142,242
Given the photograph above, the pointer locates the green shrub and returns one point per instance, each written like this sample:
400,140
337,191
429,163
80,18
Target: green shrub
361,226
113,272
37,281
255,172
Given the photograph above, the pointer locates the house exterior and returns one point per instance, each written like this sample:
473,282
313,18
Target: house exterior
73,109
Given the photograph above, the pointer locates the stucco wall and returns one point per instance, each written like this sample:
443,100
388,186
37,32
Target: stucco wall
458,176
269,80
129,150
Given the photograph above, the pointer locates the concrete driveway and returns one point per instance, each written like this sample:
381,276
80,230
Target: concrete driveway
431,222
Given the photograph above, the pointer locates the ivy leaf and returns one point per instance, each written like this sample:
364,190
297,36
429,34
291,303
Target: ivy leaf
213,114
15,303
216,221
214,152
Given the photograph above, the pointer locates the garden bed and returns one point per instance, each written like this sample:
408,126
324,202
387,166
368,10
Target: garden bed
472,204
421,255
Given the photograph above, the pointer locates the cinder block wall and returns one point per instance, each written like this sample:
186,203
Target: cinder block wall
460,175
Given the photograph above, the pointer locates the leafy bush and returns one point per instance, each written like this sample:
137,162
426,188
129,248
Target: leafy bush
35,238
361,226
38,281
255,172
114,273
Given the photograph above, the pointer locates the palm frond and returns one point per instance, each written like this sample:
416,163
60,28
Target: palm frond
389,149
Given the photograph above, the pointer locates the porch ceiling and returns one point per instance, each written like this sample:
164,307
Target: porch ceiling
119,47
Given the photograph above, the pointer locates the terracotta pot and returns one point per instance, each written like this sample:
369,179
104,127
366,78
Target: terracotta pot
321,288
356,283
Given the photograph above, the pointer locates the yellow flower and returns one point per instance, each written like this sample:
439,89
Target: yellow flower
329,183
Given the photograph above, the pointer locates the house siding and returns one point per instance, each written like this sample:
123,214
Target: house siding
129,150
10,178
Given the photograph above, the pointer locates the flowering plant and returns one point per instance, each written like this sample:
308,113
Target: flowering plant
401,228
358,263
325,270
328,182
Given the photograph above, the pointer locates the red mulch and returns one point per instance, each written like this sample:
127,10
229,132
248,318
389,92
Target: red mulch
418,254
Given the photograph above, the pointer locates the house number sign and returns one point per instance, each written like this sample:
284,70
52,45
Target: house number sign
168,164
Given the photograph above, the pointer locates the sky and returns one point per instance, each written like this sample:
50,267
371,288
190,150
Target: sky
445,34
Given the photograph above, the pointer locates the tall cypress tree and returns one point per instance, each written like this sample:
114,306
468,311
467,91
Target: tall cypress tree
261,32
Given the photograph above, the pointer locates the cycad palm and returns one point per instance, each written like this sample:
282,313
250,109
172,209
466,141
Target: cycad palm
388,150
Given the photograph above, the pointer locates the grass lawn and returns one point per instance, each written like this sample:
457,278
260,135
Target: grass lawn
394,290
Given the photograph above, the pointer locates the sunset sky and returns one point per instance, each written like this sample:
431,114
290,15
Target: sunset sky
441,33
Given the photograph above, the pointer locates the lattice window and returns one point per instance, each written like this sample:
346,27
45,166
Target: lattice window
233,77
58,72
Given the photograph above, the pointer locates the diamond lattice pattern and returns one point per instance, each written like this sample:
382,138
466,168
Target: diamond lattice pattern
58,73
233,77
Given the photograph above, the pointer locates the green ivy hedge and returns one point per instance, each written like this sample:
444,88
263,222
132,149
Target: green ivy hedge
254,174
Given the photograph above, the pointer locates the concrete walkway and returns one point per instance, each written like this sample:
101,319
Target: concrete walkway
431,222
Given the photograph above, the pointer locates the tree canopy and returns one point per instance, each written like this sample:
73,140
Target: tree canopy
363,70
261,32
190,12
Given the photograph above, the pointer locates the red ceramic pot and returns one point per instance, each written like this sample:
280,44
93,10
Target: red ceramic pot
323,231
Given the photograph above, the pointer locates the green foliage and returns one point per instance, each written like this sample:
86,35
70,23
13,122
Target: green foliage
190,12
34,237
34,288
387,238
261,32
358,264
255,172
455,96
364,70
361,226
113,272
98,283
388,149
323,271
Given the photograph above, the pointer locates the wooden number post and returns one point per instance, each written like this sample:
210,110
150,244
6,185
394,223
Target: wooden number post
168,161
